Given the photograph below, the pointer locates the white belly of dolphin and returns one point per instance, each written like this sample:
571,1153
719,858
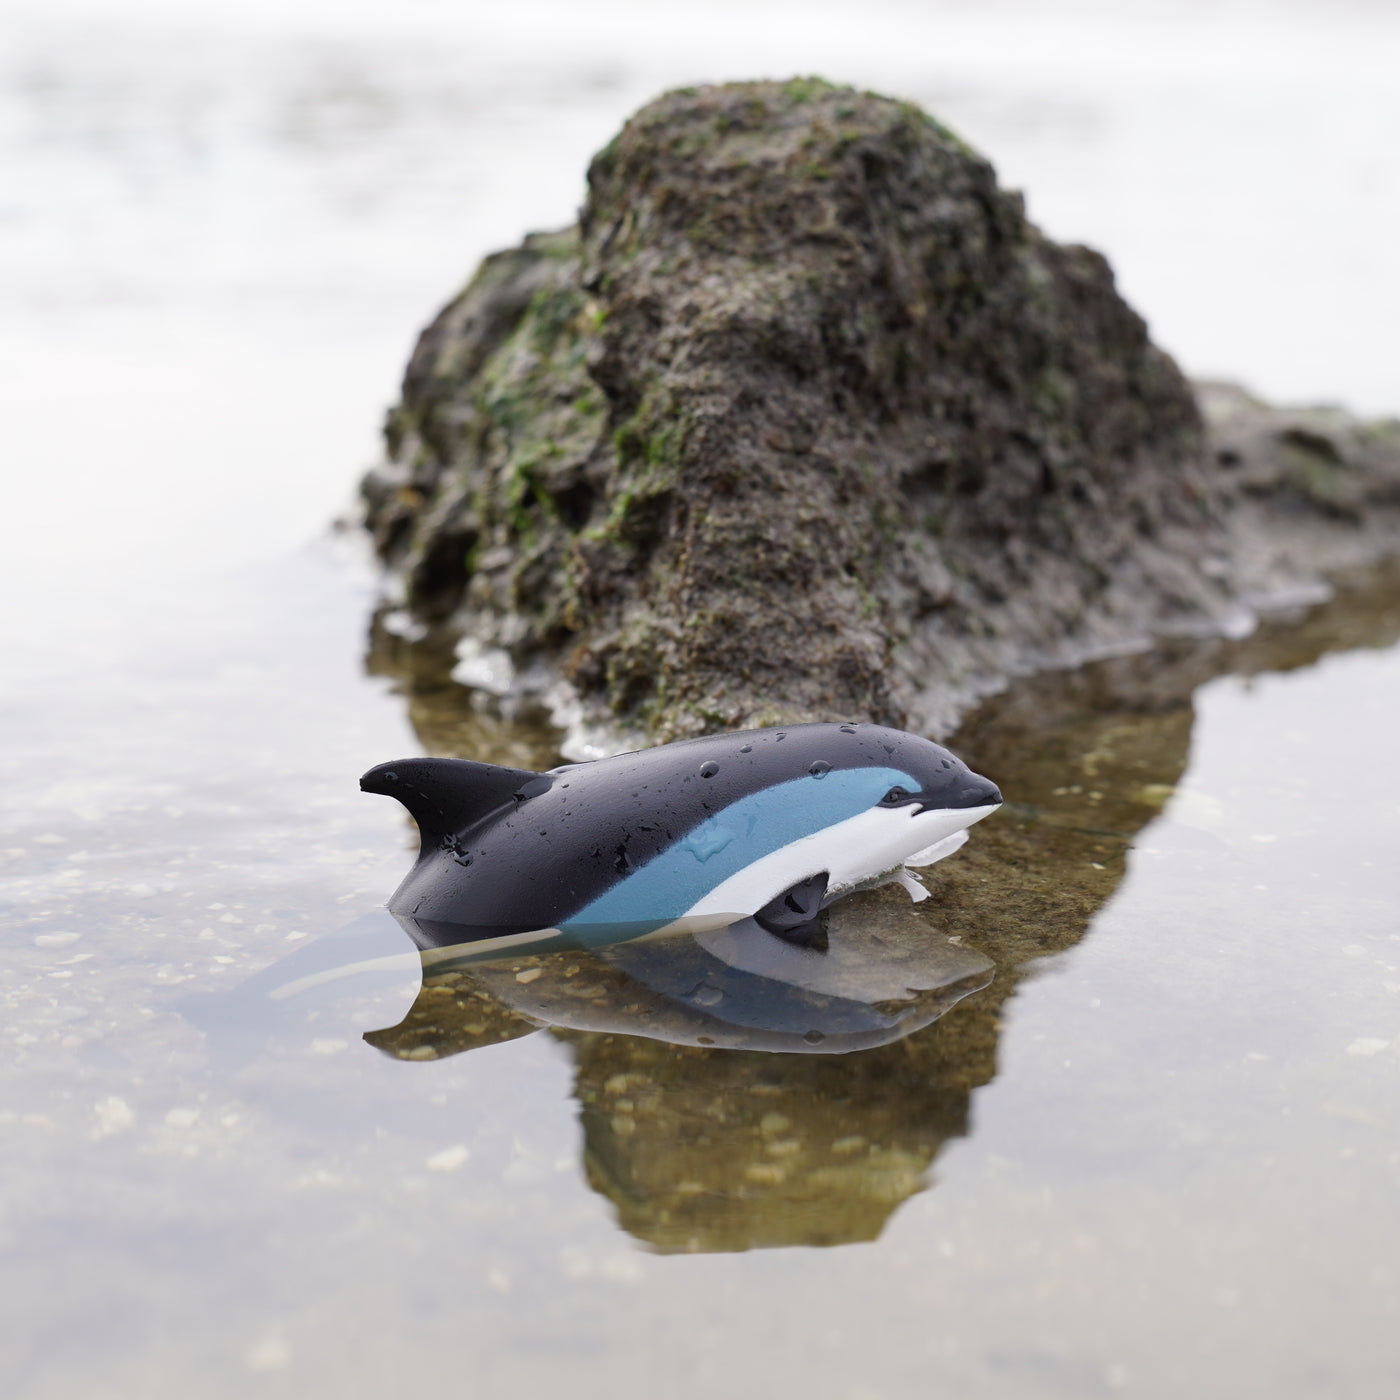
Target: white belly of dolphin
851,852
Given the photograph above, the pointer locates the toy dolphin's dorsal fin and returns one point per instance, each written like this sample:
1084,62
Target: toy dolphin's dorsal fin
444,795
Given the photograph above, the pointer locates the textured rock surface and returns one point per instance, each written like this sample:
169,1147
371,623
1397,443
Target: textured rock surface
1310,493
805,419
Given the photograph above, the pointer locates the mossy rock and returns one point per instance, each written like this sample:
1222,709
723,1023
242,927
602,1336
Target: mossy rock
805,419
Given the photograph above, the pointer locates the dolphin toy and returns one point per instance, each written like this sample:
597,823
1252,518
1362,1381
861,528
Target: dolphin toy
767,824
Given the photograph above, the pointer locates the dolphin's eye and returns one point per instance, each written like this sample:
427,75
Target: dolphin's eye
895,796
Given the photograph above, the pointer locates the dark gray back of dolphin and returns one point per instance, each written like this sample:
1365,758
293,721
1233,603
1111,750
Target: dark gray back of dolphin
508,850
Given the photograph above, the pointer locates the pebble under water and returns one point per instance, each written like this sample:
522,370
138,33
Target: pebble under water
1123,1121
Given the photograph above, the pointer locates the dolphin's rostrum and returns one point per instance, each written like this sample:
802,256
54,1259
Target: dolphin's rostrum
769,824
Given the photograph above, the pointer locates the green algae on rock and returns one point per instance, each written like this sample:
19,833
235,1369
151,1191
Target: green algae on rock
804,419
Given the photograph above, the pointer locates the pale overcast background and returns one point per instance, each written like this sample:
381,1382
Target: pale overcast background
221,226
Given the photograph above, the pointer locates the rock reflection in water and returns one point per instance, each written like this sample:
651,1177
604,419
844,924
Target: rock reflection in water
736,1091
708,1148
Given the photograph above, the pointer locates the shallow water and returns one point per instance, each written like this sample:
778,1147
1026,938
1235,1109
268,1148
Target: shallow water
1156,1154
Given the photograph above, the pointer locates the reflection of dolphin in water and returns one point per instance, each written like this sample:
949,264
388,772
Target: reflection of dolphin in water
769,824
738,988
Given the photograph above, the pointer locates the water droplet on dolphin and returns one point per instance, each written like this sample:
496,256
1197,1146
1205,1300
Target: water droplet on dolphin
708,770
820,768
748,748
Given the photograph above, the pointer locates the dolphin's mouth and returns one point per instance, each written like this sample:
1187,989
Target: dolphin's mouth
971,790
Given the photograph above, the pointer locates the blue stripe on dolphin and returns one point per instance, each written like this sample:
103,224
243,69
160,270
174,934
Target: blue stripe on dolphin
758,825
769,823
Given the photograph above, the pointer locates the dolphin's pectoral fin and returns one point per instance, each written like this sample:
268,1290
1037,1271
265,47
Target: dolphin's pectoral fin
444,795
798,904
792,915
917,889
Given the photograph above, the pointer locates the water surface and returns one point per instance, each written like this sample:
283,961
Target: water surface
1156,1152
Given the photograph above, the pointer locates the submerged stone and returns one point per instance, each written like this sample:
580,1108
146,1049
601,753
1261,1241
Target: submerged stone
805,418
